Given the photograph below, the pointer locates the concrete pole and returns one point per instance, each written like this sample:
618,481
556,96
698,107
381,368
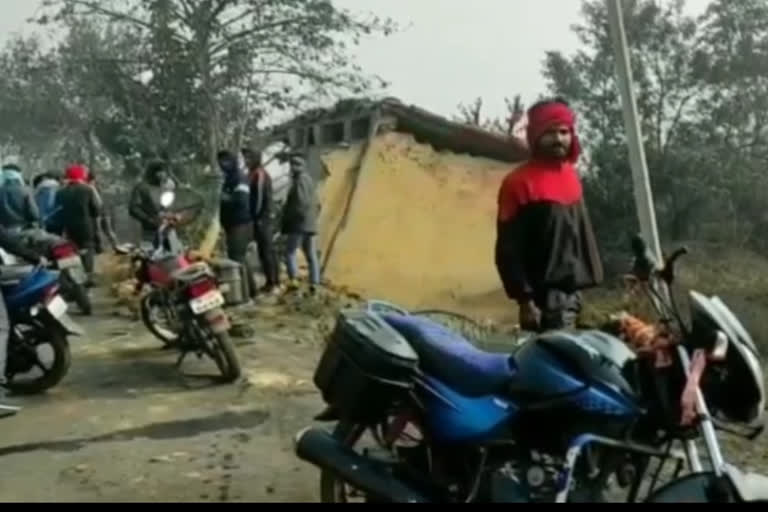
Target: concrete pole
642,185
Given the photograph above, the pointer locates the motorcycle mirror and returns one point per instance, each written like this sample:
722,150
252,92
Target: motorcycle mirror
167,198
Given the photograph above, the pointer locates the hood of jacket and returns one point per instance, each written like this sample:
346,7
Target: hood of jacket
12,177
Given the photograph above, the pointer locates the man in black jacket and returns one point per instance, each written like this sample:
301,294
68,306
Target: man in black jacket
78,208
235,215
145,200
262,207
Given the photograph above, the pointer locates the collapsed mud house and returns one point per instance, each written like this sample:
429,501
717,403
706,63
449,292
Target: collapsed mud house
408,201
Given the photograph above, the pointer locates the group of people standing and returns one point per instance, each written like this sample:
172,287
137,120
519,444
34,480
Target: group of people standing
67,204
246,215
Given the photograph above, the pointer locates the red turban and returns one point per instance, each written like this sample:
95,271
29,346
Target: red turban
543,117
76,172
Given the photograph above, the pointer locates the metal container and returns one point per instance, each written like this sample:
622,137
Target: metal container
230,275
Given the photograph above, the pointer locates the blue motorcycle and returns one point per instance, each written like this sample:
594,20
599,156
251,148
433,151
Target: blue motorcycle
559,420
39,321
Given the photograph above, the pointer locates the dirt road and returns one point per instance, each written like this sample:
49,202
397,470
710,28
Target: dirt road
125,425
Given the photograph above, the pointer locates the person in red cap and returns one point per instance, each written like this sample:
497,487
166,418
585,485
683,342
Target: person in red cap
546,251
78,208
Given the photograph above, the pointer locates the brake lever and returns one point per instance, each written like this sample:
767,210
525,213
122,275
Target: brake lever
668,272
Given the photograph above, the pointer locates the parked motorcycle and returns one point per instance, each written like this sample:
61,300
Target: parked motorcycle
186,295
39,319
63,256
556,421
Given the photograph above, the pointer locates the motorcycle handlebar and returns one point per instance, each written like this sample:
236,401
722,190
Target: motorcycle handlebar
646,264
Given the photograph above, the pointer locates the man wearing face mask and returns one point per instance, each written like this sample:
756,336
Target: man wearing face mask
546,251
145,200
235,215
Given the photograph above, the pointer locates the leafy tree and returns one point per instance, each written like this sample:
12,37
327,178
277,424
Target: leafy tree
255,58
472,114
688,80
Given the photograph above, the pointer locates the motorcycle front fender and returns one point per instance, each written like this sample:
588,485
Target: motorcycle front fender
703,487
63,323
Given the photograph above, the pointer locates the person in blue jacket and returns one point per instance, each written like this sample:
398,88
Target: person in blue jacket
235,214
45,186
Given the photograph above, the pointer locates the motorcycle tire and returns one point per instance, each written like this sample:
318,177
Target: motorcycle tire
77,293
225,357
167,337
62,360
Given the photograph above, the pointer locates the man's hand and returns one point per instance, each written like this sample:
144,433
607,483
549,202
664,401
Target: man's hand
530,316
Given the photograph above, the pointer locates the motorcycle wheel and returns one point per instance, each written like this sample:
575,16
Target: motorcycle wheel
62,360
150,303
333,489
225,357
77,293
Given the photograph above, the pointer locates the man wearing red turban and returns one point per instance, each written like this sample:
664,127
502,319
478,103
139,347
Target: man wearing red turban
78,208
546,251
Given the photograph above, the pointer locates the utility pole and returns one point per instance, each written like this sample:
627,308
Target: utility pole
642,184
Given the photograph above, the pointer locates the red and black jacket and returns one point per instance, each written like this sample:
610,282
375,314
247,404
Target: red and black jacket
544,236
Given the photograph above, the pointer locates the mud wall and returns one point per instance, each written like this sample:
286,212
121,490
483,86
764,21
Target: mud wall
420,227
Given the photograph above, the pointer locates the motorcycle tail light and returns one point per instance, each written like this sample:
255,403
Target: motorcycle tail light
200,288
63,251
50,293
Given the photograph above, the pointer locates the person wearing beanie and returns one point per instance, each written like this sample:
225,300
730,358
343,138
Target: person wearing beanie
144,204
78,207
546,251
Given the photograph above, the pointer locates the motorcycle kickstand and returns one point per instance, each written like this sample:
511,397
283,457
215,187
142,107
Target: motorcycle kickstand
181,358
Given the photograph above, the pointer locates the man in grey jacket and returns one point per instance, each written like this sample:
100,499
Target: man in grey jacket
299,224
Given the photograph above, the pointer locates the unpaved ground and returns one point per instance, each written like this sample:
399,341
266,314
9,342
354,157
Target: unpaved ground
125,425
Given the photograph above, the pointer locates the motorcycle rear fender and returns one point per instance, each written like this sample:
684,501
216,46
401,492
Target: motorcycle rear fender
217,320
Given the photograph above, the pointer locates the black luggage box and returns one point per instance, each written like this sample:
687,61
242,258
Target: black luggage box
366,366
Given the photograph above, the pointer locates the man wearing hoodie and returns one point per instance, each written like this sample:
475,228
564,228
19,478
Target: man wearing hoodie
17,205
235,214
145,200
300,221
78,208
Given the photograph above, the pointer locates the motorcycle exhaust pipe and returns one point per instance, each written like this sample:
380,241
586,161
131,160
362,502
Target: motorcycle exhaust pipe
321,449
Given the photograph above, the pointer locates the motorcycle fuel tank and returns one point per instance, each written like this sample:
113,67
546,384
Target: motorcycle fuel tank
583,370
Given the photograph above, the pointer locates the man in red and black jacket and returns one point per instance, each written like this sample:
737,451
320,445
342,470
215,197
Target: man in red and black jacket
546,251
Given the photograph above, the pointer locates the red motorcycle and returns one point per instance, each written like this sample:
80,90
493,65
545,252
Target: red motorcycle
63,256
187,295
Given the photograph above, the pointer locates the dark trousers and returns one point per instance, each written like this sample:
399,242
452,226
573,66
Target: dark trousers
263,234
559,309
238,238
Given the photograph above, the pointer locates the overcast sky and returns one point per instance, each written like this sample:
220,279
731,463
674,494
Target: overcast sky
452,50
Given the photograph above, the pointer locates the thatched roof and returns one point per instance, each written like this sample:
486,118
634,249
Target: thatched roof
426,127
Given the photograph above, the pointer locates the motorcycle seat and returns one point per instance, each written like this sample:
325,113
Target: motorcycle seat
449,357
12,274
